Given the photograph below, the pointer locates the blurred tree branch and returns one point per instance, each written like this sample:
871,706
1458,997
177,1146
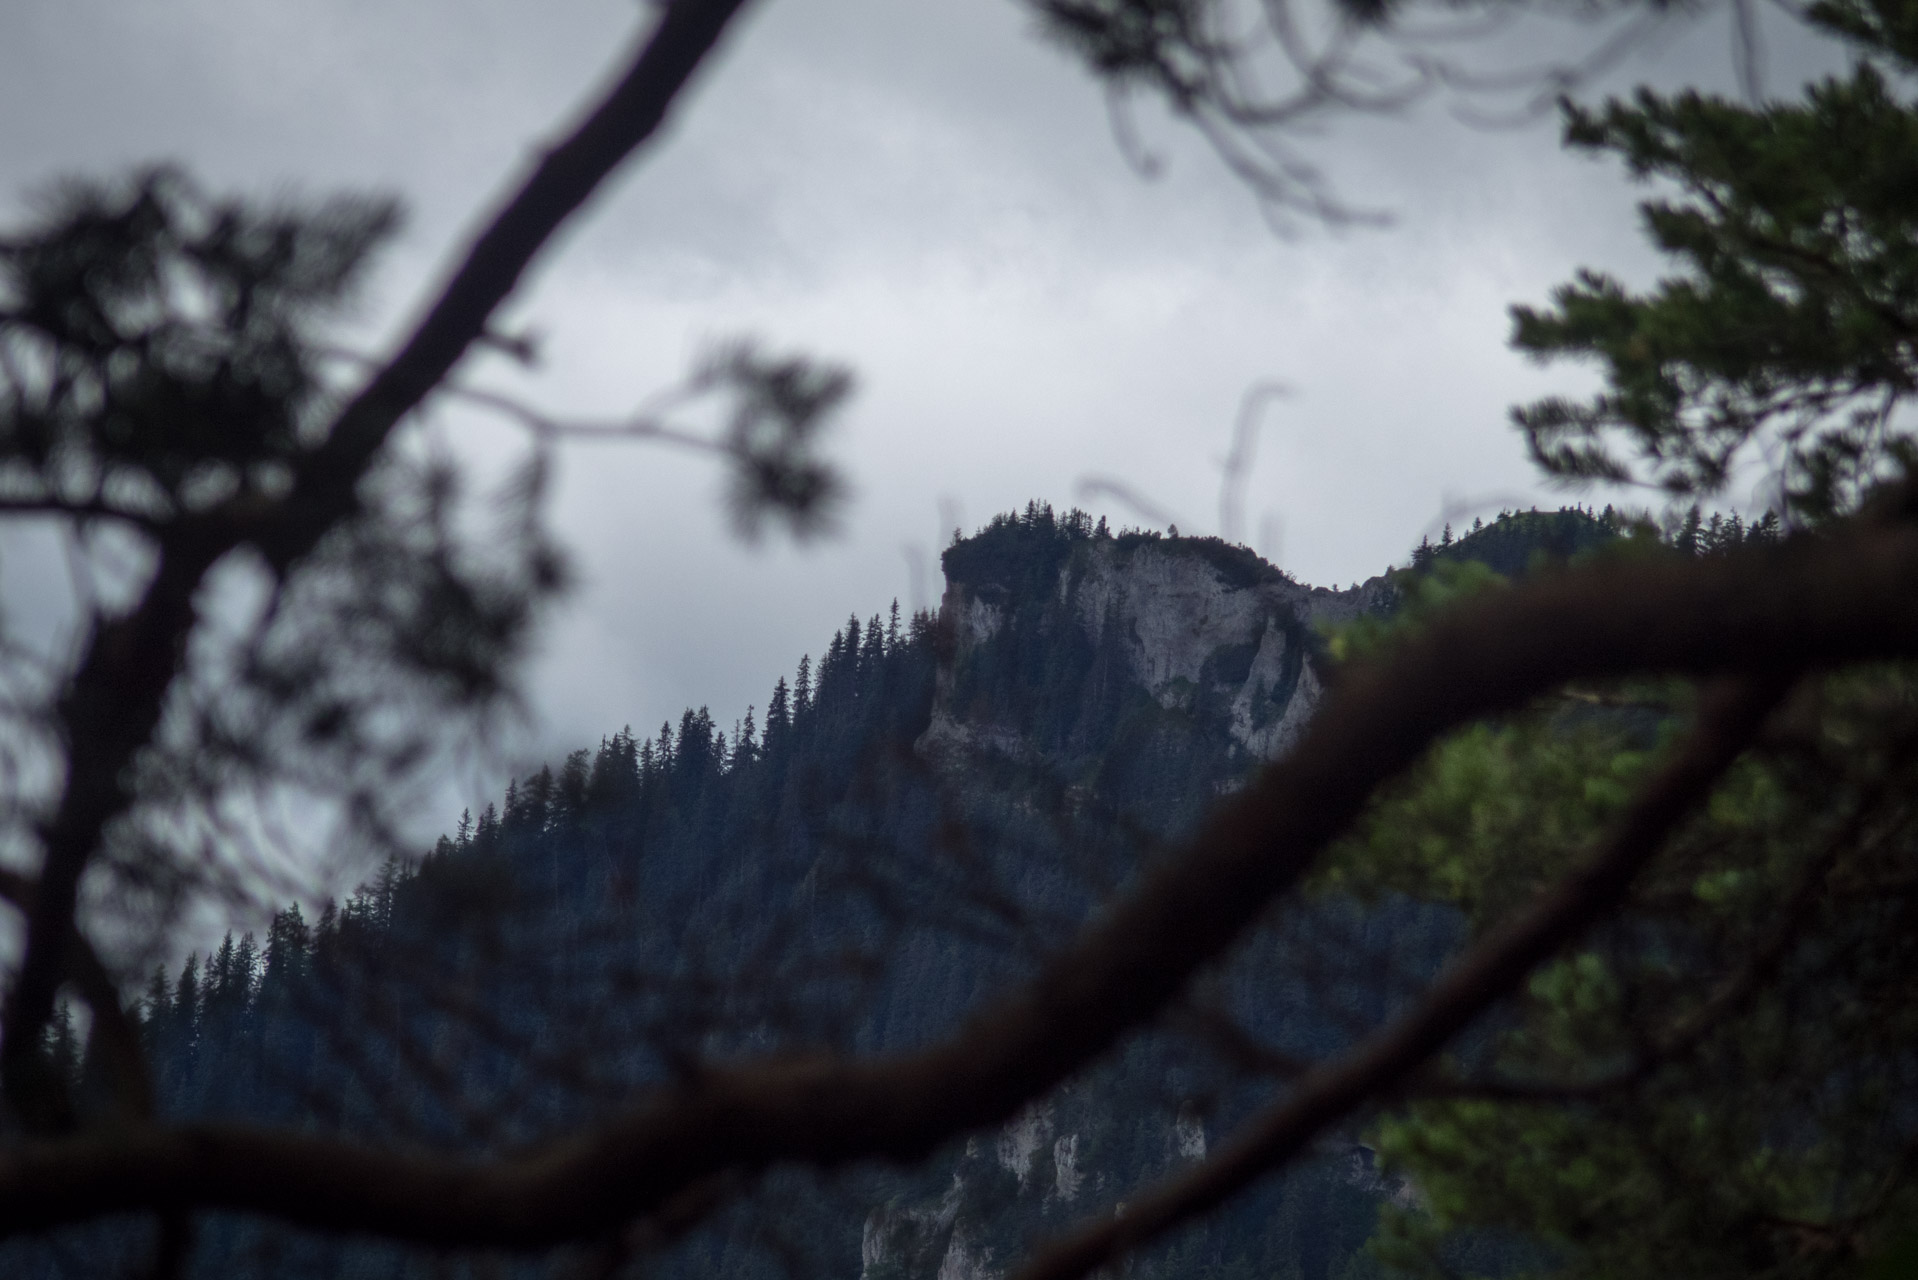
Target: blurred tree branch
112,704
1810,605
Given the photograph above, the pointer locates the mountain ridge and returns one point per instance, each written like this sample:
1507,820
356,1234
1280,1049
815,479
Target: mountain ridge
916,822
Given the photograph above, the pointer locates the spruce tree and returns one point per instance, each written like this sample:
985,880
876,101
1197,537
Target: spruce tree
156,1006
746,741
186,1004
287,942
778,720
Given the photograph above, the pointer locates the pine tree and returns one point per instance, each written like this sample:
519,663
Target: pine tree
778,720
486,831
63,1048
156,1007
873,655
529,809
745,741
571,789
286,947
217,996
186,1003
510,808
326,932
246,959
614,781
845,672
1690,535
389,880
1778,337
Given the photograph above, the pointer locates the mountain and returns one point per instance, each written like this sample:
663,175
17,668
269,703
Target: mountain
1075,647
912,823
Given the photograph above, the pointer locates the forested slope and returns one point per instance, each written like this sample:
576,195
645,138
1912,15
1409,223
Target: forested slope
899,829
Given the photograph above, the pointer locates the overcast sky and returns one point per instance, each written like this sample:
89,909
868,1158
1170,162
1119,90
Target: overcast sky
920,189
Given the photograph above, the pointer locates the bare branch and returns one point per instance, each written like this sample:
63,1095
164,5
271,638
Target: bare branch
546,428
564,180
112,706
1107,487
1237,468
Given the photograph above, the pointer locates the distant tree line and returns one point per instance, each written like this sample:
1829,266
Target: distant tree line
1508,544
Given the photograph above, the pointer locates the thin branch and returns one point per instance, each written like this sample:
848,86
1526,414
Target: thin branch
566,177
548,428
112,706
1106,487
1237,468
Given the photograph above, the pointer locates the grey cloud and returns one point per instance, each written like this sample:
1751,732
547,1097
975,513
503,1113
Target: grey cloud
920,189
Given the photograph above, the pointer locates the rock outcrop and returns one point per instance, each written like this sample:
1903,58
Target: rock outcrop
1063,645
1147,673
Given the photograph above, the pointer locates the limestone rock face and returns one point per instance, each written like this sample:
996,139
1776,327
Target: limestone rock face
1186,629
1206,631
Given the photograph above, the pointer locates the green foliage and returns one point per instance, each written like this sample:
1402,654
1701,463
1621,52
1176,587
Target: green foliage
1018,555
1795,233
1492,815
1717,1082
1518,542
1421,596
1238,567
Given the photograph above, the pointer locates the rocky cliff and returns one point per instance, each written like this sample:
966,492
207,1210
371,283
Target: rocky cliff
1148,673
1129,660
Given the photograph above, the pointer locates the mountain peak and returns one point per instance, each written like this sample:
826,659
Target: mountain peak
1130,660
